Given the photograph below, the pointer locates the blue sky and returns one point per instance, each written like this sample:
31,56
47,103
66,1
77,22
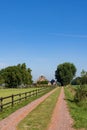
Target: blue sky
43,34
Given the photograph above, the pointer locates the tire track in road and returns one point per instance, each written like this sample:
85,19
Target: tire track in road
61,119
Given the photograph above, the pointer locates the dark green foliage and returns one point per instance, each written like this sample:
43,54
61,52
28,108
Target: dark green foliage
84,79
14,76
52,81
80,80
76,81
1,79
81,94
25,74
83,73
65,73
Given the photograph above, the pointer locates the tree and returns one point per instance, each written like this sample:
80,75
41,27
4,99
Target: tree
76,81
81,95
65,73
1,80
16,75
25,73
83,77
52,81
12,76
83,73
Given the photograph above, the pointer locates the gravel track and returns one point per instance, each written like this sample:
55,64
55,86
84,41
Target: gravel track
61,119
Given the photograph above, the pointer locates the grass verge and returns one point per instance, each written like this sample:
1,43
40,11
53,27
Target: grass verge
40,117
78,113
7,111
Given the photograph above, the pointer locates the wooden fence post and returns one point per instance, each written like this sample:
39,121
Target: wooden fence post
30,94
36,92
12,100
20,97
25,95
1,104
33,92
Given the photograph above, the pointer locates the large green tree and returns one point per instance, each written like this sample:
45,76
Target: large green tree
14,76
65,73
25,74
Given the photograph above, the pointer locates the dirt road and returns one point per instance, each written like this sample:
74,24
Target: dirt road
61,119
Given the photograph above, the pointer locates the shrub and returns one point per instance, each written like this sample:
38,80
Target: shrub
81,94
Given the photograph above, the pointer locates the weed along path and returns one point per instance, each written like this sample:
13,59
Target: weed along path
12,121
61,119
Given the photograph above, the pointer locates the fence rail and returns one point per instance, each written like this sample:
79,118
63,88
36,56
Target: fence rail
17,98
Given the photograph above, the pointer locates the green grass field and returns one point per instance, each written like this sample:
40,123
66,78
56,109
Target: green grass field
7,92
40,117
78,113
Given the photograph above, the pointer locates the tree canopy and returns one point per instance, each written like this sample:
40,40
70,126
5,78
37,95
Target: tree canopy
14,76
80,80
65,73
76,81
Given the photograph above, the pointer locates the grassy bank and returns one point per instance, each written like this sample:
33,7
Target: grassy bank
40,117
78,112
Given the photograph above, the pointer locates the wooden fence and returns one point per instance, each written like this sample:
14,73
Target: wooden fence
17,98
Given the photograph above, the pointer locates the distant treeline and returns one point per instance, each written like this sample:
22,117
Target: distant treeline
14,76
80,80
20,76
